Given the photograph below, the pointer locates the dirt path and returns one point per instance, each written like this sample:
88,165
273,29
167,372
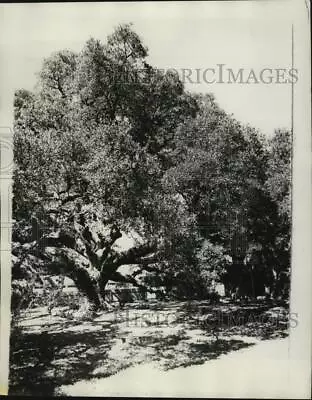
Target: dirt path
263,370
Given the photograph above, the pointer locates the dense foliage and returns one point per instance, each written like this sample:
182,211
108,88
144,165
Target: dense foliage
116,164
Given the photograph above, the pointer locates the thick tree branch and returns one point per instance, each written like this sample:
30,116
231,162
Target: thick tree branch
114,235
145,267
118,277
135,254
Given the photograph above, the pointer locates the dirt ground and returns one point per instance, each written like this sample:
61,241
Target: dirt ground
65,354
258,371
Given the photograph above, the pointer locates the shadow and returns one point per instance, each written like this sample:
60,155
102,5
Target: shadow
218,347
173,351
40,362
252,320
199,353
67,351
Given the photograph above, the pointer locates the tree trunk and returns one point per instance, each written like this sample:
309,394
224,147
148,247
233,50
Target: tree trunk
85,276
89,271
103,279
93,288
89,287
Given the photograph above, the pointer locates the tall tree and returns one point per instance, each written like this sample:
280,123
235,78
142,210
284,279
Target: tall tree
223,170
87,170
278,187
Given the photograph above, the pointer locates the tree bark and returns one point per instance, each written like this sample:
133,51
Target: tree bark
88,287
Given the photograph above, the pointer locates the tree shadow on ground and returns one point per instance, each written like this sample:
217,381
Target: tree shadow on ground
257,321
173,351
58,351
40,362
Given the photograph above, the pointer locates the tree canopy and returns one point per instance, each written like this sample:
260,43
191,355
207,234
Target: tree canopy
108,147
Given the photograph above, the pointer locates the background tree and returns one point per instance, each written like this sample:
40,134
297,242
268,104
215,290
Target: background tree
222,170
278,186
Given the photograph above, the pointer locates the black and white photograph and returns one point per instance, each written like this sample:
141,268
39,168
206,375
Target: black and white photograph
155,199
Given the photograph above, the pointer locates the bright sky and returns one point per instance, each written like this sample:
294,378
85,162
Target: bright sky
195,35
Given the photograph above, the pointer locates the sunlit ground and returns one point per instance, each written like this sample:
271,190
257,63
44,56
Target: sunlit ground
52,352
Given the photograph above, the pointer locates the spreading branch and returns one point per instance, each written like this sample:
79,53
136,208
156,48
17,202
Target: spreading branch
118,277
135,254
